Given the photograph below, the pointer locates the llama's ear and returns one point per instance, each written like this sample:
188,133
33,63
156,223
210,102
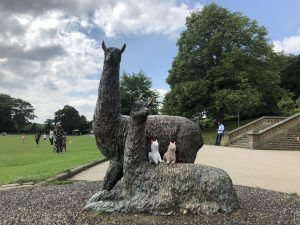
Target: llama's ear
151,141
103,46
123,48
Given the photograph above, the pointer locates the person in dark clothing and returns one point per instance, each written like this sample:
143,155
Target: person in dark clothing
59,138
37,137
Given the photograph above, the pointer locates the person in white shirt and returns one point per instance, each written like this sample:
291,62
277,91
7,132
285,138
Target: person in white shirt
220,133
51,136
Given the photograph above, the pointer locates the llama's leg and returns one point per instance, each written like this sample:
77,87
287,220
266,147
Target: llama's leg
113,174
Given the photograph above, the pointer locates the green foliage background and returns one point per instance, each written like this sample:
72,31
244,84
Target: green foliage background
225,65
137,85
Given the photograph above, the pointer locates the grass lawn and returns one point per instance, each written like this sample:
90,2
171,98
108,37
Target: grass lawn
209,135
22,162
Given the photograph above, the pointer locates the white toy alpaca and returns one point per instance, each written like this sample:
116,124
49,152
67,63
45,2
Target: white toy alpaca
154,155
170,156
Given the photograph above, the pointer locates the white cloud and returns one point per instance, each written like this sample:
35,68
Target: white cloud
142,17
47,53
288,45
44,78
162,93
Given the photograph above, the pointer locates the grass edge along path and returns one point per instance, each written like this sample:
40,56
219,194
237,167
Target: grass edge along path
21,162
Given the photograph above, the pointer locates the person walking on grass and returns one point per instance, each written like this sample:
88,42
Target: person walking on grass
51,133
65,141
220,133
58,138
23,138
37,137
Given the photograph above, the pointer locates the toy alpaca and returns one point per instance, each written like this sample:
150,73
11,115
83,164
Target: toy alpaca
154,155
170,156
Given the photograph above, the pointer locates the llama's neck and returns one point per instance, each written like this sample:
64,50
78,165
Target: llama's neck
108,112
134,147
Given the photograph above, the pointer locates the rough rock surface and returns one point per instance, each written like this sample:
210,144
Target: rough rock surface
167,189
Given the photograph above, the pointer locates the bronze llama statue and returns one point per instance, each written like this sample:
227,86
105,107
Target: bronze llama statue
110,127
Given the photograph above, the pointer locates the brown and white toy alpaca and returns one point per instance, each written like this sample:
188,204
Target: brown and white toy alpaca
170,155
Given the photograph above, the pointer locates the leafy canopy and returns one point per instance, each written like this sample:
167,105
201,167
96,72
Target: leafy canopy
70,120
225,65
15,113
137,85
290,78
68,117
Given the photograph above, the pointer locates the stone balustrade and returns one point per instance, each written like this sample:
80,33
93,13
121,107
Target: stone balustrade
234,135
259,139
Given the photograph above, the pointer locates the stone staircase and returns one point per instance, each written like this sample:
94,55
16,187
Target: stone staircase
285,142
243,142
273,133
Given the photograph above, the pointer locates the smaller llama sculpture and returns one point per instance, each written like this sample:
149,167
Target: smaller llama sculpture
170,155
154,155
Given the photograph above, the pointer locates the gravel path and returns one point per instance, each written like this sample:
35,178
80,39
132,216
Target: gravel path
63,204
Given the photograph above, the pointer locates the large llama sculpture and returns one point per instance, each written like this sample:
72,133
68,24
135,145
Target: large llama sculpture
163,189
110,127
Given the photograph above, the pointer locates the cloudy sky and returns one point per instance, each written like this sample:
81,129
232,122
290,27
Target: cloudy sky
50,50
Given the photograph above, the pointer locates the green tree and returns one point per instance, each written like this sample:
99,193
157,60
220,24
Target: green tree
15,113
68,117
22,112
137,85
225,65
48,124
290,77
85,126
6,123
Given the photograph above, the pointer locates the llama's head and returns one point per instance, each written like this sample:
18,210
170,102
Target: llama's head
112,56
139,111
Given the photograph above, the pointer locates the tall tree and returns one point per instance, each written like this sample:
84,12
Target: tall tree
15,113
6,113
290,77
68,117
137,85
48,124
22,112
225,65
85,126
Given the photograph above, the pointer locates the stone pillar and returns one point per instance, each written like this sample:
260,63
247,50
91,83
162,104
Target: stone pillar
225,139
254,140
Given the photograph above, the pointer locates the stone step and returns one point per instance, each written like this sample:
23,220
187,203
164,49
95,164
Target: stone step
239,145
282,148
285,142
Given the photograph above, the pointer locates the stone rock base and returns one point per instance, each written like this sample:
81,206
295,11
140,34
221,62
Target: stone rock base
167,189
